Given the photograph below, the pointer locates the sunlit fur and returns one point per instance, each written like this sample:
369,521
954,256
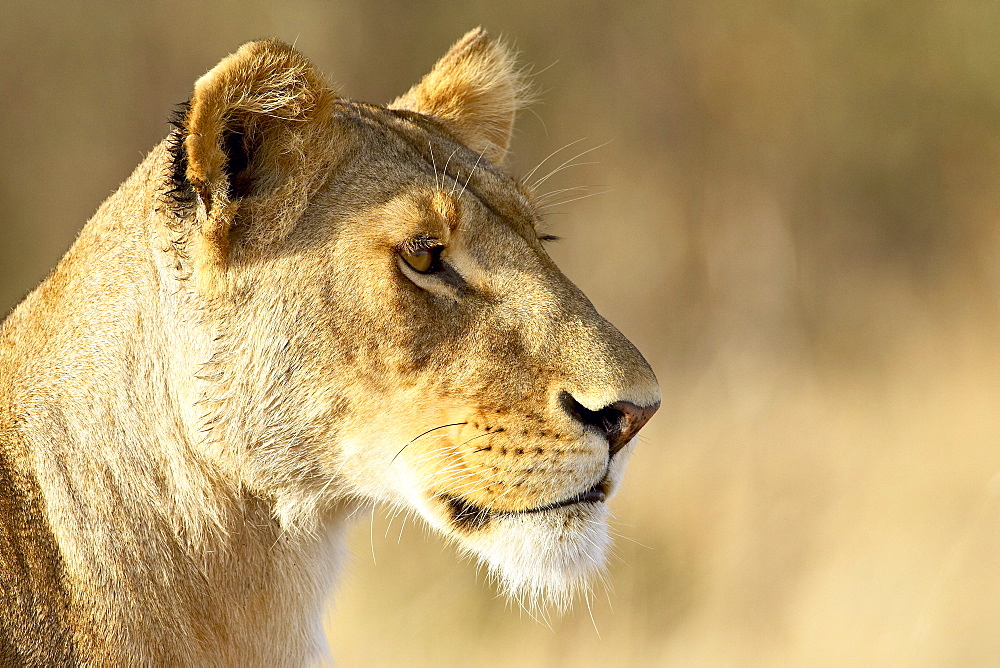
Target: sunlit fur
235,356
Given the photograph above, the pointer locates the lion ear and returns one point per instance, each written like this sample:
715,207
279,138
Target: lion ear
476,90
248,123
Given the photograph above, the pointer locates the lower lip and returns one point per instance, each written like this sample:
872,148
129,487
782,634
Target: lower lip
473,517
595,494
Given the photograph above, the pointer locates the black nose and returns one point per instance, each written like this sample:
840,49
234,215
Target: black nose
618,422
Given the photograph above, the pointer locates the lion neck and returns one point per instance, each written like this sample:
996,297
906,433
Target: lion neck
106,356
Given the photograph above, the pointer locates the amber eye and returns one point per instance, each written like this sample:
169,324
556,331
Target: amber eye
423,259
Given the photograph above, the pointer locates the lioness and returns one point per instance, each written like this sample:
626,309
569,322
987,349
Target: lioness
298,304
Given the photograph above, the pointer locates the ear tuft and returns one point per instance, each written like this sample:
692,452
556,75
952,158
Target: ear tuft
476,89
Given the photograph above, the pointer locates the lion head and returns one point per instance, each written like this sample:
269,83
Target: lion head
375,317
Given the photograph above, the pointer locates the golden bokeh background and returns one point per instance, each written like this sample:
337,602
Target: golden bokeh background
800,231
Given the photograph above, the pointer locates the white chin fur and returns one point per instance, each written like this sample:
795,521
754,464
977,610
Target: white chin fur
543,560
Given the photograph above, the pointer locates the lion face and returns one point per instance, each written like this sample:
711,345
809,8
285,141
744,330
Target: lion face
396,331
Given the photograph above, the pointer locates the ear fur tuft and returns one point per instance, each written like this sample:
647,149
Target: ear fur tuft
476,89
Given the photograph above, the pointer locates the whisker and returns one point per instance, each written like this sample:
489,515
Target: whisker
574,199
453,424
489,433
437,182
471,172
566,164
431,453
447,162
542,198
545,128
564,167
396,511
590,611
401,527
524,179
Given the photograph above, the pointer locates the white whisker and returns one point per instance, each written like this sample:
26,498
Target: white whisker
549,195
471,172
574,199
437,182
526,177
566,164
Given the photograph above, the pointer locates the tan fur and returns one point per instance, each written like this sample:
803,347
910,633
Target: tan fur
235,355
477,90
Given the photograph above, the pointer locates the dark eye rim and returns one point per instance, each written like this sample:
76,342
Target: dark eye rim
423,245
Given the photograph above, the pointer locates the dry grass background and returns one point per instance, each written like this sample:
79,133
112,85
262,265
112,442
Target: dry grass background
801,234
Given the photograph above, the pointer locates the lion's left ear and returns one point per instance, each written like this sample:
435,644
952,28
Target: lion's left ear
476,90
249,132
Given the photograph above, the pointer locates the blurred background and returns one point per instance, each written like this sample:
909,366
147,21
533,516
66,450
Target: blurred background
799,228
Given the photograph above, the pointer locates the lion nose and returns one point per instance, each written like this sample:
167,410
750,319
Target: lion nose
618,422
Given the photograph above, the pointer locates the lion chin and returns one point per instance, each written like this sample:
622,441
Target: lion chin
545,560
543,557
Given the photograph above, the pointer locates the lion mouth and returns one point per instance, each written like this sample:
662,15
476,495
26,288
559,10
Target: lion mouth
595,494
470,516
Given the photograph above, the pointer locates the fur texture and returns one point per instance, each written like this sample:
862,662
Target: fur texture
298,304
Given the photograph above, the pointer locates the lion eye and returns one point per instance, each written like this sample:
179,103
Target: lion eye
423,260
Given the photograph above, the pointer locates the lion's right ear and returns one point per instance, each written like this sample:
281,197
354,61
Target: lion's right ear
247,131
476,89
